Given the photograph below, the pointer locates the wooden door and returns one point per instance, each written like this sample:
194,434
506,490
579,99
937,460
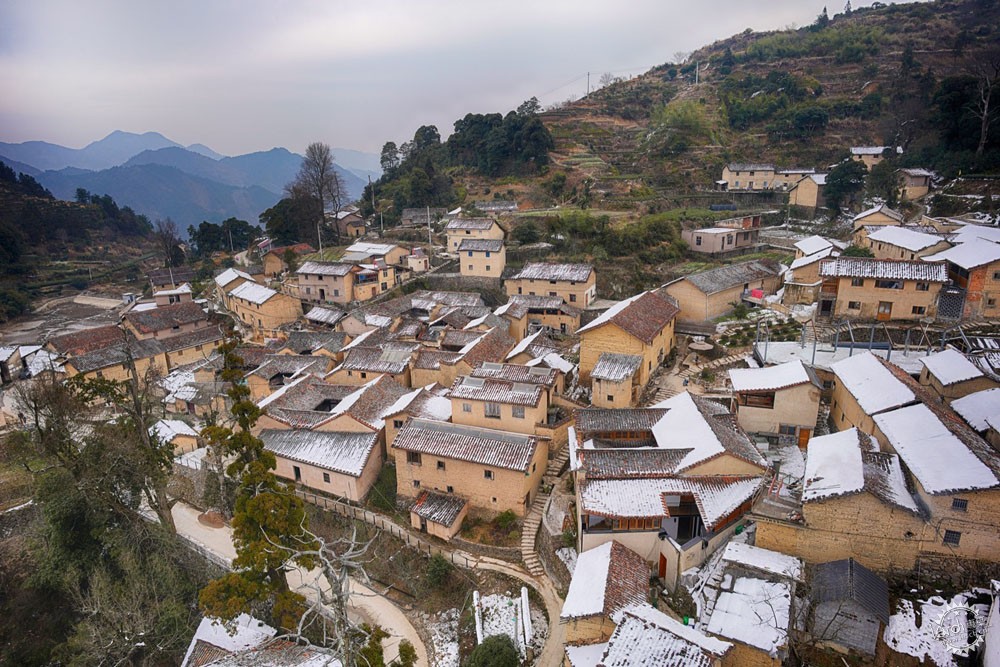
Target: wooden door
804,434
884,311
663,567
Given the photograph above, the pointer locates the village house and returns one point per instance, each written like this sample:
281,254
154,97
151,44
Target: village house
341,282
527,315
170,278
263,310
780,400
880,289
430,402
808,192
342,464
538,344
802,282
443,367
10,363
892,242
871,155
177,433
276,370
166,321
576,284
724,236
863,387
850,606
710,294
878,216
322,343
420,217
488,402
951,375
981,411
550,380
671,482
493,470
274,259
227,281
914,183
168,297
460,229
193,346
642,325
811,245
606,580
748,176
112,361
417,261
324,318
348,222
438,514
974,268
615,380
482,258
749,599
361,364
496,205
366,252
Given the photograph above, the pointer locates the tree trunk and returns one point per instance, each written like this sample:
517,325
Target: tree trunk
984,121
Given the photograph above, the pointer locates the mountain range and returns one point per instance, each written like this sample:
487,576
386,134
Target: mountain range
162,178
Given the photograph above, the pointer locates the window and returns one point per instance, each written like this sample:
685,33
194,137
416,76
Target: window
488,474
785,429
923,287
991,302
413,458
466,407
882,283
487,267
857,282
309,290
960,504
470,267
996,275
827,385
336,292
572,298
416,484
952,537
297,472
397,423
487,253
854,305
440,465
451,489
326,477
611,398
918,310
493,410
364,375
697,240
470,253
729,239
518,411
764,399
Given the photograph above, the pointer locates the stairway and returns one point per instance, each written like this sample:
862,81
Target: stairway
712,365
557,464
529,532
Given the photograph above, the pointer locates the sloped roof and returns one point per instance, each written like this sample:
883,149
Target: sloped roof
325,268
904,237
646,636
87,340
166,317
732,275
969,255
345,453
201,336
229,275
516,373
480,245
513,451
606,579
843,580
496,391
252,292
770,378
325,315
643,316
977,407
881,208
469,223
390,358
871,383
289,364
550,271
951,367
440,508
750,166
889,269
614,367
812,244
116,354
597,420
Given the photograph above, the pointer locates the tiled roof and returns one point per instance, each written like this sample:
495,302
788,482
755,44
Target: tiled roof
750,166
252,292
615,367
449,298
301,342
731,275
770,378
496,391
325,268
490,205
229,275
607,579
392,358
430,359
883,209
480,245
469,223
562,272
467,443
631,463
440,508
537,345
115,355
646,636
643,316
516,373
459,339
493,346
88,340
345,453
904,237
322,315
872,383
888,269
192,338
166,317
289,364
607,420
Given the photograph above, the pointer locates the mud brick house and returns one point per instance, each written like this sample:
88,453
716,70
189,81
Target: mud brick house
482,258
880,289
890,242
974,272
460,229
615,380
710,294
951,375
263,310
438,514
527,314
227,281
575,284
780,400
343,464
166,321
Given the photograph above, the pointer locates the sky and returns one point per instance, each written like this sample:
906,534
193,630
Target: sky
248,75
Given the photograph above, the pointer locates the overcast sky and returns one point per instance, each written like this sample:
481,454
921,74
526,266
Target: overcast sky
247,75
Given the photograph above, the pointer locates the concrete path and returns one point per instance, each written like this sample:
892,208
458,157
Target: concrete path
368,605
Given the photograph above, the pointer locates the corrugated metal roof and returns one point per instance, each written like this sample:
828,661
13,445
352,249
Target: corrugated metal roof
487,447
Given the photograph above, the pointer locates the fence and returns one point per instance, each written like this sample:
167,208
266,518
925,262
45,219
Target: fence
382,523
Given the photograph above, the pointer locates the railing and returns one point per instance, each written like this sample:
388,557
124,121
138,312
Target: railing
382,523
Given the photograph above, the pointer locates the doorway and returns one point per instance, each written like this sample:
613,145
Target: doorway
884,311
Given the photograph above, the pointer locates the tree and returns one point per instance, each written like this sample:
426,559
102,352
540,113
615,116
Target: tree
530,107
985,67
389,159
291,220
857,251
168,240
318,180
82,196
607,79
495,651
883,183
843,183
822,20
527,232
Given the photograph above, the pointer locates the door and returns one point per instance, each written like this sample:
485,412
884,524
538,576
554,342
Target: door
423,525
298,473
825,307
663,567
884,311
322,294
804,434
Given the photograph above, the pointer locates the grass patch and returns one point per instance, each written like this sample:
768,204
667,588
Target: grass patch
502,531
382,496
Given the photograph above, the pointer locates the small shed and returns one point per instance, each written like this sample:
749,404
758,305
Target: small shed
438,514
850,606
177,433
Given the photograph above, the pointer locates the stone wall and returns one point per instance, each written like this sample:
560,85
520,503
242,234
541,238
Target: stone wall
546,545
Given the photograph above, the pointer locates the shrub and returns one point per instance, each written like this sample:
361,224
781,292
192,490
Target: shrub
505,520
495,651
438,571
407,655
569,538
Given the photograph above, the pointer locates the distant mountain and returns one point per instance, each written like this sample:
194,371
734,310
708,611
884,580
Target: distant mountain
110,151
20,166
202,149
362,164
160,191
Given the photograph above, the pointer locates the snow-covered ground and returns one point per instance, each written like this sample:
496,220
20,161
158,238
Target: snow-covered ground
912,629
444,636
568,556
500,618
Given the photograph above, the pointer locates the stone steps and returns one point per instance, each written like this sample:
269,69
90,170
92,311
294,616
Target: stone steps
529,533
557,464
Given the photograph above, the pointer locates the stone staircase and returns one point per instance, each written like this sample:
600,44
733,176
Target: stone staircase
556,465
713,365
662,394
529,532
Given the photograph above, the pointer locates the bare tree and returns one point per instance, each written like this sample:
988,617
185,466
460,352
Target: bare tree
608,78
318,179
985,67
167,240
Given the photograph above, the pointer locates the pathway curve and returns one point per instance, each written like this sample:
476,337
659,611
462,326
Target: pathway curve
217,544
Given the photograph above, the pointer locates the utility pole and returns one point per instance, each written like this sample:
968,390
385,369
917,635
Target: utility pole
696,63
430,244
231,249
319,238
588,83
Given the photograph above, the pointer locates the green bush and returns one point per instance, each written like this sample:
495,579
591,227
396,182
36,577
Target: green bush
407,655
505,520
495,651
438,571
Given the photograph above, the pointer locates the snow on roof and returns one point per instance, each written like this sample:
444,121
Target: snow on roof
686,426
247,633
873,385
833,466
252,292
547,271
553,360
890,269
768,378
904,238
615,367
951,366
818,179
646,636
513,451
325,268
644,315
325,315
524,344
588,655
826,355
480,245
978,407
229,275
369,249
815,257
755,612
606,579
881,208
470,223
911,171
185,288
872,150
935,455
969,255
167,429
764,560
643,498
812,244
968,232
345,453
440,508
